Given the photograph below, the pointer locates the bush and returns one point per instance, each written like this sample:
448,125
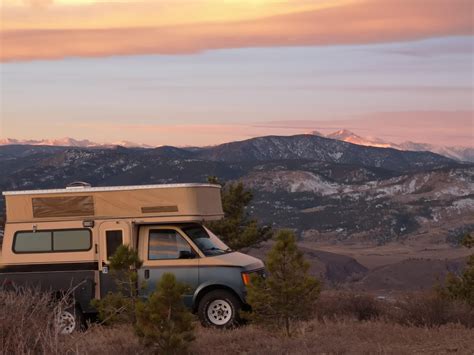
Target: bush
164,323
288,293
427,309
430,310
336,305
461,287
119,306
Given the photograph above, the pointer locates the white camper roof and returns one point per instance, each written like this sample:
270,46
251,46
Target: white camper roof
185,201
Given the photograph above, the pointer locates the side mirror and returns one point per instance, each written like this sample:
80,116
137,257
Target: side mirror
184,254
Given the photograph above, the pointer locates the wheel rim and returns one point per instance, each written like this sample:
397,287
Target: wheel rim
219,312
66,322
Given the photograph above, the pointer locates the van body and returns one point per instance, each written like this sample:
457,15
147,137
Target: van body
62,239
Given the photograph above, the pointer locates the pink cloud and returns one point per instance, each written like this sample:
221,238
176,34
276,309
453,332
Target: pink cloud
370,21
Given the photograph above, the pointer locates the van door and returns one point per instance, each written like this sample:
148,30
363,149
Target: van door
166,249
111,236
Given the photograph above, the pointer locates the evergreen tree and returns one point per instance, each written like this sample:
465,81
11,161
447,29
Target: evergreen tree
288,293
237,229
119,306
461,287
163,322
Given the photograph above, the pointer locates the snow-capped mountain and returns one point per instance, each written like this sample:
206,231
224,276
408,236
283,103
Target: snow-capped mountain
348,136
61,142
70,142
456,153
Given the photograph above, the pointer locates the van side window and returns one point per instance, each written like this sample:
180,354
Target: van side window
52,241
113,240
166,244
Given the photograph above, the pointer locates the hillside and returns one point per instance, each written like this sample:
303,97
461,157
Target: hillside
323,188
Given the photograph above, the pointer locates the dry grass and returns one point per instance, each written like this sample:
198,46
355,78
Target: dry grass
344,323
341,337
27,323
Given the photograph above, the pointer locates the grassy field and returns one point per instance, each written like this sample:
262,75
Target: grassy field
342,323
344,336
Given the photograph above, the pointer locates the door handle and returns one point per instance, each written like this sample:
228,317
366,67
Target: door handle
147,274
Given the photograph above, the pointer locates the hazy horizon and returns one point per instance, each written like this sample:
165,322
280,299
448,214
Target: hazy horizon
154,74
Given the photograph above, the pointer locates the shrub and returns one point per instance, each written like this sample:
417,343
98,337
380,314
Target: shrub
336,305
163,322
119,306
461,287
289,292
430,310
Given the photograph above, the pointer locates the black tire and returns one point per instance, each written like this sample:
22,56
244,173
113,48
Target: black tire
70,320
219,309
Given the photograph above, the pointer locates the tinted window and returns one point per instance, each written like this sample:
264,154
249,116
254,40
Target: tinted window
33,242
113,239
166,244
72,240
52,241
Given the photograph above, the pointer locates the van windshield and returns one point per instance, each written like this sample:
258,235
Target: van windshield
206,240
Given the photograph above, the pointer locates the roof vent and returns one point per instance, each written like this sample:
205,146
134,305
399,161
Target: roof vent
78,185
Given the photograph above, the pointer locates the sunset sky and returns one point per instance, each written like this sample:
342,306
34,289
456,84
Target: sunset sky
185,72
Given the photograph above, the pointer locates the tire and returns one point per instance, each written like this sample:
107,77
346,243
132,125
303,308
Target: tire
219,309
70,320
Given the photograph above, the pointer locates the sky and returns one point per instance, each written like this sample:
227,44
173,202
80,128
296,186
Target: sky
181,72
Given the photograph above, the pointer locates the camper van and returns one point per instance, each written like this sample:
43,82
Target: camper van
62,239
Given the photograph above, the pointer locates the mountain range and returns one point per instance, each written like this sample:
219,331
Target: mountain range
69,142
459,153
325,189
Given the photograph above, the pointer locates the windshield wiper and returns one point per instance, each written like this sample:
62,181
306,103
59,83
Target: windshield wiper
228,250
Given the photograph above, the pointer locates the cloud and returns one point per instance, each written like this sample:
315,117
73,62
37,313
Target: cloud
38,3
371,21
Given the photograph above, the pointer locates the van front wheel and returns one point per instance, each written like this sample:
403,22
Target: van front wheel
219,309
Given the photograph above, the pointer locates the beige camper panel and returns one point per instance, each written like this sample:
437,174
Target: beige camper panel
179,202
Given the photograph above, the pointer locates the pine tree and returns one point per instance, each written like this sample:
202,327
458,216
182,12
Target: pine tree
119,306
461,287
289,293
237,229
163,322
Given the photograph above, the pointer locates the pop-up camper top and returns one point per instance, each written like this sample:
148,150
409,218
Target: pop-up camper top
177,202
59,239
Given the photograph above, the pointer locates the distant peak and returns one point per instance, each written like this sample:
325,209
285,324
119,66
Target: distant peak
342,133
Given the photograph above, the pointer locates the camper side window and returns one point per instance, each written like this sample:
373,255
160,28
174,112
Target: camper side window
52,241
33,242
166,244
